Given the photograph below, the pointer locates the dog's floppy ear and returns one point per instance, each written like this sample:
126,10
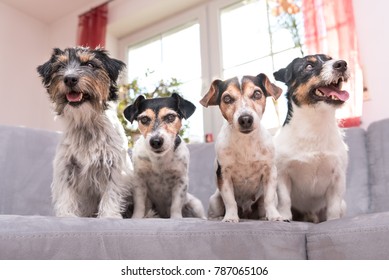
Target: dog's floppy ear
185,108
132,111
113,66
212,96
283,75
45,69
268,87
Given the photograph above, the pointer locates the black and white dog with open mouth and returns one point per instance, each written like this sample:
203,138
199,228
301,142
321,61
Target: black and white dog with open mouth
311,155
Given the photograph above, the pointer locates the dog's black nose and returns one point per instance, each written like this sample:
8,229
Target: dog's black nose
71,80
340,65
156,142
245,121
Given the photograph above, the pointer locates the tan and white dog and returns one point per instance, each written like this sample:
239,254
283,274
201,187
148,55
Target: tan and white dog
311,155
245,158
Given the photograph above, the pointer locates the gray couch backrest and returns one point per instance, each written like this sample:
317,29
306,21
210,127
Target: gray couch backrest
377,141
26,157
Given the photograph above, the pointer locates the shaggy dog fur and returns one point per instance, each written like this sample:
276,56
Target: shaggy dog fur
91,166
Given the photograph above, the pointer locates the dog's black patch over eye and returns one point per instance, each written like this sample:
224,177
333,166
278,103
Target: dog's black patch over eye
309,67
145,120
89,64
170,118
228,99
257,94
59,66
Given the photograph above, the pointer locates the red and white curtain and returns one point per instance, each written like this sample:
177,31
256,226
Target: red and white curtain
92,27
330,29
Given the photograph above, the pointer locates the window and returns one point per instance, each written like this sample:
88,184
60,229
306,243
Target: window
219,39
175,54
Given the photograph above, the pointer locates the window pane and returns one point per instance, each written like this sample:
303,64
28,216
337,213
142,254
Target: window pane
172,55
264,65
144,58
181,54
191,92
282,40
283,25
245,33
282,59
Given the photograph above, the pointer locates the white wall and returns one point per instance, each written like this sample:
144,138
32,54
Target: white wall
24,45
373,37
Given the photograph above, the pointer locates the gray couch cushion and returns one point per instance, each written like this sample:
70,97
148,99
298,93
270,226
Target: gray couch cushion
378,151
362,237
37,237
26,170
202,181
357,192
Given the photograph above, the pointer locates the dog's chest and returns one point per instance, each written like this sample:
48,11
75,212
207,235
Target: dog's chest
92,155
162,175
248,165
313,159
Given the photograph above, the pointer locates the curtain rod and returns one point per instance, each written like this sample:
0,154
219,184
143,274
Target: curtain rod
102,4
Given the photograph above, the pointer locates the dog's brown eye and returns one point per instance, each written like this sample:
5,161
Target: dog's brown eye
170,118
145,120
257,95
90,65
228,99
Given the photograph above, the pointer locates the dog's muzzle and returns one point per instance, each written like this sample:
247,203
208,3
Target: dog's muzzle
71,80
74,97
246,123
156,143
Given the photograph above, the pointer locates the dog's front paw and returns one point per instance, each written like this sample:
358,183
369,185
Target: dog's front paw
277,218
231,219
137,216
110,215
67,215
286,214
176,216
272,214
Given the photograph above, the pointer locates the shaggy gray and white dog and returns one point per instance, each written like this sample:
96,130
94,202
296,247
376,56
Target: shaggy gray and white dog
92,169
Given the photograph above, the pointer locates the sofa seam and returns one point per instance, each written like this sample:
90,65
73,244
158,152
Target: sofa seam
349,231
99,234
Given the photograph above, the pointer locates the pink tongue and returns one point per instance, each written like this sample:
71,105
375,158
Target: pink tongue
333,91
73,96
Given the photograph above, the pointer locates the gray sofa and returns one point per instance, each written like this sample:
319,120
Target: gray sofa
28,229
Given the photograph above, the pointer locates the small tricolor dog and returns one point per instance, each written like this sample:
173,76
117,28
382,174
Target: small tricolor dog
92,168
245,158
161,159
311,155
